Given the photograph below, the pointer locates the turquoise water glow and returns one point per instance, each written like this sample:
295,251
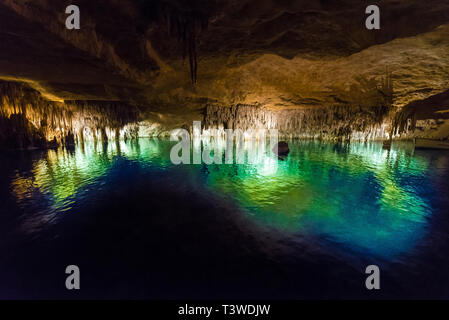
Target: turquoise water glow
357,197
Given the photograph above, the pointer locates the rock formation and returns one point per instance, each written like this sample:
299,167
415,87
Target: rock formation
307,68
30,121
281,149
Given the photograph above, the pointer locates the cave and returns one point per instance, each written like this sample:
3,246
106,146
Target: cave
224,149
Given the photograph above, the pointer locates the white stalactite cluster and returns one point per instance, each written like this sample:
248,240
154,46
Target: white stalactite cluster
28,120
329,123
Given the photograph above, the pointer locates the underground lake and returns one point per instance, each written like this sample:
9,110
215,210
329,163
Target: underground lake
220,153
305,226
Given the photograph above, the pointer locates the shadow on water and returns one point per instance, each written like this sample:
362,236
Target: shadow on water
139,227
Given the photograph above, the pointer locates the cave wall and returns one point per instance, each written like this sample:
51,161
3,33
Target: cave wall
341,122
425,118
297,67
30,121
365,113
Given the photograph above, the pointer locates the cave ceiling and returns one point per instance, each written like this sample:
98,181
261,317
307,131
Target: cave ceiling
279,54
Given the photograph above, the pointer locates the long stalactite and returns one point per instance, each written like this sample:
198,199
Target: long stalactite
185,20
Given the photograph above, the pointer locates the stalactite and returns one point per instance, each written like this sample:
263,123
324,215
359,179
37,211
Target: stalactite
36,122
330,123
185,21
326,123
186,26
365,113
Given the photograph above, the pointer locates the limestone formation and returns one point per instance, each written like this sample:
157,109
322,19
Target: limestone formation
28,120
307,68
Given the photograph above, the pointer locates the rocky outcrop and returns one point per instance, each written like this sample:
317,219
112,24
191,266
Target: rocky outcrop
281,149
426,118
18,132
37,122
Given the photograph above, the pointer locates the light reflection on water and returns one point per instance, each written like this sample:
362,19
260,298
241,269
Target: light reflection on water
360,196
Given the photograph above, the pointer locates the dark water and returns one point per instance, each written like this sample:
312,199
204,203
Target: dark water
303,227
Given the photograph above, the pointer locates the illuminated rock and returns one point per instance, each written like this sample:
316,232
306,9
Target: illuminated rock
303,68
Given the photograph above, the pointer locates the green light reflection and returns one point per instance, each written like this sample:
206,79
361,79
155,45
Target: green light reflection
350,194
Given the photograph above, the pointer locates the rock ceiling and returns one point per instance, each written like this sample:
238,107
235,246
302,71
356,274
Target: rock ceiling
279,54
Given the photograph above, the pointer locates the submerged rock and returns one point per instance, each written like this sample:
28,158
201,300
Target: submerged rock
281,149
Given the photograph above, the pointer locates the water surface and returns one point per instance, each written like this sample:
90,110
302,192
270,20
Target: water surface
301,227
